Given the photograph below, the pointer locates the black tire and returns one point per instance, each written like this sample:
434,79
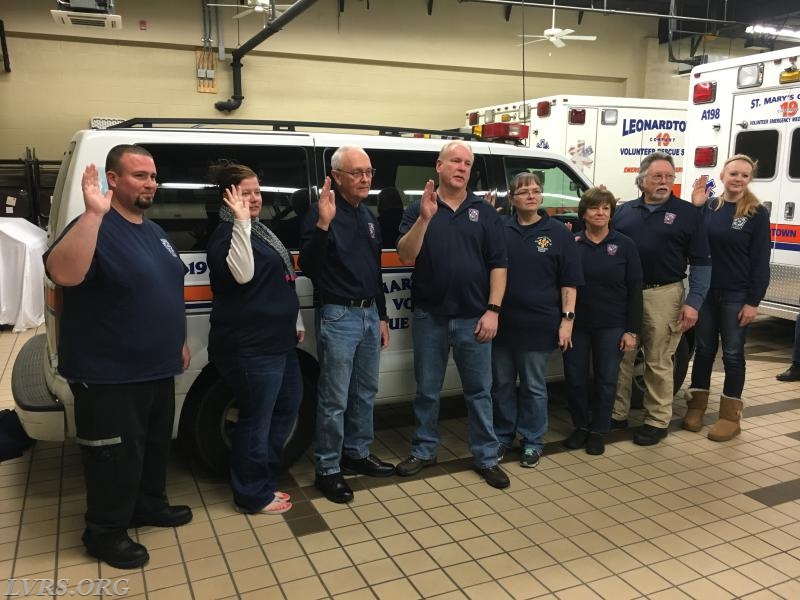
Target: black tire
209,417
683,354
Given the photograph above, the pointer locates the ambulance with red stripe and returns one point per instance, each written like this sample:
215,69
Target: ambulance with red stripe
751,106
291,160
604,137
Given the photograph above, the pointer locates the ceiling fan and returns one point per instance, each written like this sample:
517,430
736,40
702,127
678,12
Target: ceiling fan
268,8
555,35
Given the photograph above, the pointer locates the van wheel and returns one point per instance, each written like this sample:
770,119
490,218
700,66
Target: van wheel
210,416
683,354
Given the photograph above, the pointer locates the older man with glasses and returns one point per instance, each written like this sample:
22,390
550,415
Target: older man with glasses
669,235
341,253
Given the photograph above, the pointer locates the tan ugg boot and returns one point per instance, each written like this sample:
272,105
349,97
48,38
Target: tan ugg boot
696,403
727,426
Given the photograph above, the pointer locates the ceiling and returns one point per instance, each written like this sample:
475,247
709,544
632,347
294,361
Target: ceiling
711,14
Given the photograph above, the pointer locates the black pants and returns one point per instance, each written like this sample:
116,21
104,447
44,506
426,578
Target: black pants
124,432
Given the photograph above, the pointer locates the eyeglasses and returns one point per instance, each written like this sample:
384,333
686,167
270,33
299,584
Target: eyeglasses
661,178
368,173
528,193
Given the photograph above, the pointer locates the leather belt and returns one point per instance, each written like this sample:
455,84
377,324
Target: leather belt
349,302
652,286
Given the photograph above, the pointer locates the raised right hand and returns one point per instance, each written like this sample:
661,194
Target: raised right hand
238,205
95,201
428,205
699,196
327,205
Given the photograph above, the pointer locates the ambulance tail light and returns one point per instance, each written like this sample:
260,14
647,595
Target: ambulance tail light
473,118
505,131
577,116
543,108
705,92
705,156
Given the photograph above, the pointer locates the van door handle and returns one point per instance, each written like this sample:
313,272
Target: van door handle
788,211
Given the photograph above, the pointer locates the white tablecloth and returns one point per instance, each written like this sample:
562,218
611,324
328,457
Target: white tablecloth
21,273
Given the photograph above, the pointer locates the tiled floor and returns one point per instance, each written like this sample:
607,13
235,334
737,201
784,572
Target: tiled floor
688,518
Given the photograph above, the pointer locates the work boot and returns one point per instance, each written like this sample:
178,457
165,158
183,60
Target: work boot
696,403
727,426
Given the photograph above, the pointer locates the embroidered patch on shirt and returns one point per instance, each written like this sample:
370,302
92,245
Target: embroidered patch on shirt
168,246
473,213
371,229
739,223
611,249
543,243
669,218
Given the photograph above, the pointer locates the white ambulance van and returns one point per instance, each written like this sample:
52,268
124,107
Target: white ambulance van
750,106
291,161
604,137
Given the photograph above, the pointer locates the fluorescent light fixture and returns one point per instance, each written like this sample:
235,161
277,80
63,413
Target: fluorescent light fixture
785,34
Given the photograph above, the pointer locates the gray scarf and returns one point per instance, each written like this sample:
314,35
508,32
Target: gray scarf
265,234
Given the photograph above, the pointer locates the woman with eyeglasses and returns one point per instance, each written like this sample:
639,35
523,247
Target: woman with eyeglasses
738,234
607,320
536,317
255,326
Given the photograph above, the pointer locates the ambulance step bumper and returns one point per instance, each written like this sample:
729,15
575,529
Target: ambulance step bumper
41,414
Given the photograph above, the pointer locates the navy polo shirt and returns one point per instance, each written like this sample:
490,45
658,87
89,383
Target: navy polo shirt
344,261
460,248
125,322
542,258
611,295
253,318
668,238
740,250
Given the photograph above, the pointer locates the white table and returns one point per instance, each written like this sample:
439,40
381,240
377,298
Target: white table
21,273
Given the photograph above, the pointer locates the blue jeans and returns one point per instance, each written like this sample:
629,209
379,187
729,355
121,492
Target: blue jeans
433,337
268,389
719,319
522,411
591,410
349,348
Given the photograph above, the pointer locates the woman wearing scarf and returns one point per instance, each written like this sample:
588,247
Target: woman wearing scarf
255,326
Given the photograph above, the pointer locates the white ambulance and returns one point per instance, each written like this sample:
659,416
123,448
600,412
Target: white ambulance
750,106
604,137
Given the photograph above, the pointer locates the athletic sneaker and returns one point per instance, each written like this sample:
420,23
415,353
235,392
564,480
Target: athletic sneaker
530,457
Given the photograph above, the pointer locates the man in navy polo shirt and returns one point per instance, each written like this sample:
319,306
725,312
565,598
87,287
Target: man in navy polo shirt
341,253
458,284
121,342
669,235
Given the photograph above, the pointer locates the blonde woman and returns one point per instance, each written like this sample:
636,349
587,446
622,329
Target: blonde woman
738,234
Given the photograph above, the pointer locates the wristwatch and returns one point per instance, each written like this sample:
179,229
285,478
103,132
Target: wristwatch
493,307
569,315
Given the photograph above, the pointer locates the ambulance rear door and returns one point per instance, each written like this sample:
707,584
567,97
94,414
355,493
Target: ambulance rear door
766,127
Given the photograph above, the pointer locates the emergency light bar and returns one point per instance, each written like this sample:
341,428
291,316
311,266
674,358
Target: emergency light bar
508,131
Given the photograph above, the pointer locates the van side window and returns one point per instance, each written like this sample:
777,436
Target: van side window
761,146
794,155
187,204
400,178
561,190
